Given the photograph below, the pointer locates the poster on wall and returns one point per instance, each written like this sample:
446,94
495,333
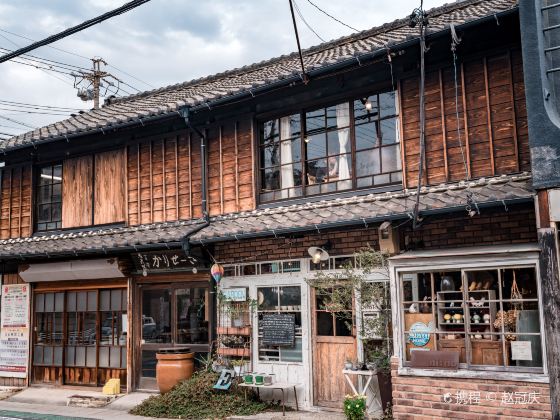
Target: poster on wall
14,333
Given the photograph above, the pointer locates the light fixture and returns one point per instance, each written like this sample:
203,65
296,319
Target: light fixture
367,104
319,254
306,139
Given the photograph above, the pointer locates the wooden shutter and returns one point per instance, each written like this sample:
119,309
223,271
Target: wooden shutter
109,185
77,177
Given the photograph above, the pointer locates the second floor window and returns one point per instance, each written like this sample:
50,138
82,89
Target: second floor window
48,200
350,145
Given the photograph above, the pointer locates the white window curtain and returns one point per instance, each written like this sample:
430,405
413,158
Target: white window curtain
286,159
343,120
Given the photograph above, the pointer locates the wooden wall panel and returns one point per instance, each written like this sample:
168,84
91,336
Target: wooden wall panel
481,132
109,187
16,202
77,190
164,174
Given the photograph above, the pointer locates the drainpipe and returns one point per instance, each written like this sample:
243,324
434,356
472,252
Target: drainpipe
185,242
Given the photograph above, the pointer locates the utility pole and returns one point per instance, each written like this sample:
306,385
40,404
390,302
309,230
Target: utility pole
95,78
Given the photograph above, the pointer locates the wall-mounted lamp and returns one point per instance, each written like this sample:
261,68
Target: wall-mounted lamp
319,254
306,139
367,104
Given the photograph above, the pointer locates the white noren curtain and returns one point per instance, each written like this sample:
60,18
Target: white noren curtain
343,120
287,168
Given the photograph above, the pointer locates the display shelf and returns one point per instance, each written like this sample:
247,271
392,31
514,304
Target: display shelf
447,305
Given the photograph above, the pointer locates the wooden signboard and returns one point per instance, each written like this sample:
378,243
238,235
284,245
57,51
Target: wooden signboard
279,330
432,359
153,262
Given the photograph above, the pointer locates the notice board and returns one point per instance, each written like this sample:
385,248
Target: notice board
14,333
278,330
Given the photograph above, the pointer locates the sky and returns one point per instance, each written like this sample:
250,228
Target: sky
161,43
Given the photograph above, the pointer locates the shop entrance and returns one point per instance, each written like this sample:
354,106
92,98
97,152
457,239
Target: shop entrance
333,343
171,315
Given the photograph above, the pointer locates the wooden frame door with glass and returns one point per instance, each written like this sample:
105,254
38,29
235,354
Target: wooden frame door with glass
333,342
170,315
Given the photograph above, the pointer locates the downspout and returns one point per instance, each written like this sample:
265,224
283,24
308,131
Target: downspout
185,241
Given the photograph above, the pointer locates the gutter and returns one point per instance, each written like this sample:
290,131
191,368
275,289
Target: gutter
272,86
185,241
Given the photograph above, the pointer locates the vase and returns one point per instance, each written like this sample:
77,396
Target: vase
173,368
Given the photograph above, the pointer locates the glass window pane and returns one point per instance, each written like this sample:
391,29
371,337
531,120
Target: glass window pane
388,131
149,362
57,173
39,302
47,355
192,311
82,301
325,324
315,121
57,356
92,301
343,324
45,176
156,316
103,356
361,111
316,146
295,127
91,356
367,162
387,104
49,302
116,299
71,301
80,356
38,355
290,296
105,300
70,355
292,354
270,155
366,136
44,213
267,298
115,357
56,193
59,302
316,171
391,158
271,179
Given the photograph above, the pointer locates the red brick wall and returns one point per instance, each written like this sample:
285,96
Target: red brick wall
493,226
422,398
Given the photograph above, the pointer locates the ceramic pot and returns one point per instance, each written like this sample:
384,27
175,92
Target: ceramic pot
173,368
248,378
447,284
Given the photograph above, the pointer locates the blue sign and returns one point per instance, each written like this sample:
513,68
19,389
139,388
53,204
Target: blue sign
419,334
235,295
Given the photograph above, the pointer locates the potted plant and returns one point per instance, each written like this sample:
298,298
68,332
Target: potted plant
348,364
382,364
355,407
239,366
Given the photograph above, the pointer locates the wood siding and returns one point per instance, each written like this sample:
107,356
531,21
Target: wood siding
109,187
77,188
496,139
164,174
15,203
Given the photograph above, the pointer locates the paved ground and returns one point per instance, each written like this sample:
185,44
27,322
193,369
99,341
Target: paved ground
50,404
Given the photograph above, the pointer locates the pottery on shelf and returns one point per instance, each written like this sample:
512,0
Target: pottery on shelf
447,284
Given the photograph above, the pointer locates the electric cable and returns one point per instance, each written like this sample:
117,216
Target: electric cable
36,106
17,122
332,17
305,22
75,29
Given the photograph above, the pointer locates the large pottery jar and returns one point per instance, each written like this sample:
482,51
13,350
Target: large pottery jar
173,366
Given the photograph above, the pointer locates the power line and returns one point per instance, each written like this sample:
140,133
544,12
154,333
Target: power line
306,24
32,112
84,25
36,106
332,17
78,55
17,122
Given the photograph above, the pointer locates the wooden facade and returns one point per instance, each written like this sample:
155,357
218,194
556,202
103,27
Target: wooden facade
164,174
15,202
495,140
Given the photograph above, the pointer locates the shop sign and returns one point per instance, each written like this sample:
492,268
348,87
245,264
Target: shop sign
150,262
419,334
521,350
238,294
14,335
431,359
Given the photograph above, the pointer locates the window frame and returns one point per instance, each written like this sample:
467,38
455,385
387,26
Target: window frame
36,194
303,161
470,260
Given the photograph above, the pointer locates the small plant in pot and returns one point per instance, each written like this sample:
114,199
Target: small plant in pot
239,366
348,365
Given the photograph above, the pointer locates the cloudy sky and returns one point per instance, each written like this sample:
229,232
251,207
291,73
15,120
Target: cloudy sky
160,43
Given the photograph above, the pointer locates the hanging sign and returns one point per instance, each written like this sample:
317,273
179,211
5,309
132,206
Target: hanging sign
419,334
14,335
153,262
238,294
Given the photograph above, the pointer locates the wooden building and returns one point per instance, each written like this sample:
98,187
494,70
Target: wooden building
114,216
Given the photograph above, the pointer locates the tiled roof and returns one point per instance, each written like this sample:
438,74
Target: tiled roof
169,99
276,221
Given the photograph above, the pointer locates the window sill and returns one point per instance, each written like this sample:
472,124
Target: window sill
278,362
475,374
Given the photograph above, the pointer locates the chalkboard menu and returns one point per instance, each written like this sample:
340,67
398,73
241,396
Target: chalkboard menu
278,330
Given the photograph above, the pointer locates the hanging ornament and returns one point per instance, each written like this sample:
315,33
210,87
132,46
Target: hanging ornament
217,272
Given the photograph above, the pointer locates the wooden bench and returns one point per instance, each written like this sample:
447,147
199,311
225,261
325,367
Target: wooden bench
283,386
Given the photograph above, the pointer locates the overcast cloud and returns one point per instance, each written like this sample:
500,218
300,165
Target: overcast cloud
165,41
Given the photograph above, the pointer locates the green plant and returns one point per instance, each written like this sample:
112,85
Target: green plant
206,362
238,362
355,407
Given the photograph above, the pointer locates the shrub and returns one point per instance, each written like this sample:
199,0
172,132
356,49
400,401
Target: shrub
355,407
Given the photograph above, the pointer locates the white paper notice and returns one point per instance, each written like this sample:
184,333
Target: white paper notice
14,336
521,350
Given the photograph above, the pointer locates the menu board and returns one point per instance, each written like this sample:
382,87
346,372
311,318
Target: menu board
278,329
14,334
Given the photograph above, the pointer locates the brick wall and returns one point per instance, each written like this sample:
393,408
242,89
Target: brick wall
494,226
422,398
